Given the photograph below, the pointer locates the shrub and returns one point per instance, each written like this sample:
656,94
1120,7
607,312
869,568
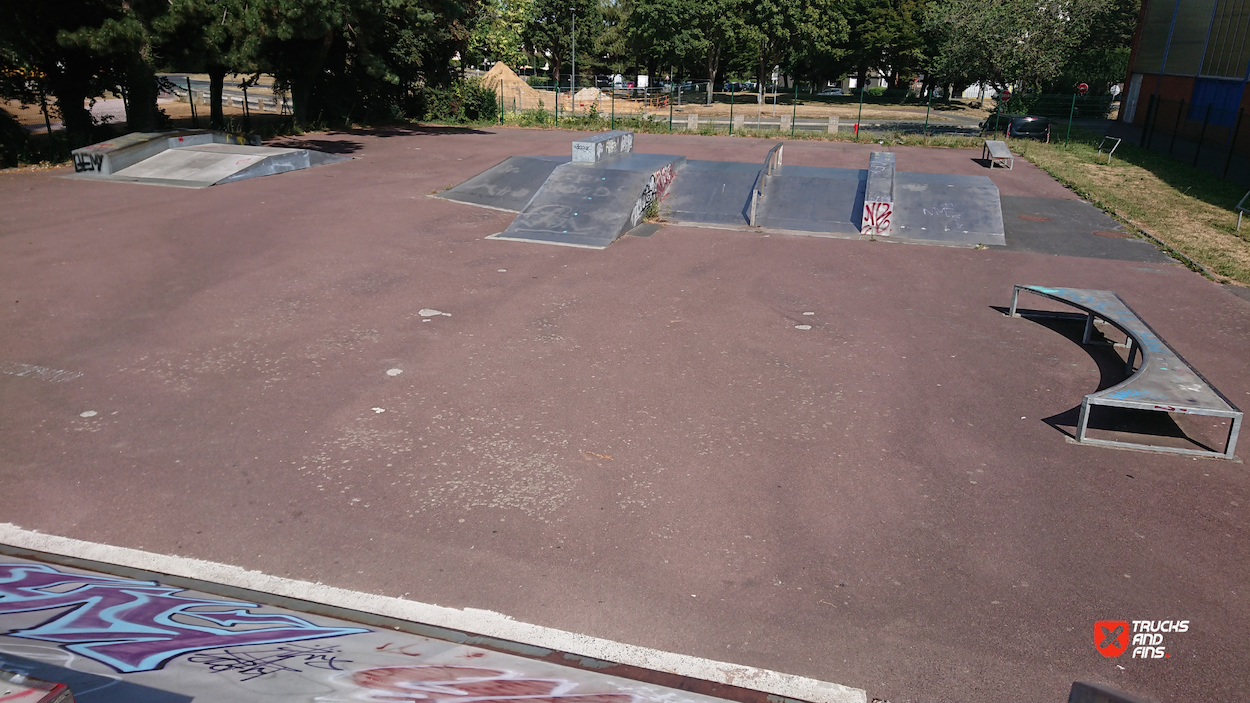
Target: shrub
467,100
14,140
876,91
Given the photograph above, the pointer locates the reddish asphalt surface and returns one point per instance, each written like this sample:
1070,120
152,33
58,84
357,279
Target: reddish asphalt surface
635,443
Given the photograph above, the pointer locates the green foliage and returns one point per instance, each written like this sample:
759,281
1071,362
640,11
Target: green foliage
467,100
549,29
876,91
496,33
14,140
1024,44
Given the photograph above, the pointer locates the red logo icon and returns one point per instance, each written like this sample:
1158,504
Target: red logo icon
1082,88
1111,637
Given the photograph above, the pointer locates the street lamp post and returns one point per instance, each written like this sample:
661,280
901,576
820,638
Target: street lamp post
573,78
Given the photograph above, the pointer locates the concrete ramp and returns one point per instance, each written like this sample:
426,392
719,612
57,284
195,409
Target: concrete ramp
813,199
509,185
189,159
711,192
592,205
947,208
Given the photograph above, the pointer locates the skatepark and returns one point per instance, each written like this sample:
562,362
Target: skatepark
763,437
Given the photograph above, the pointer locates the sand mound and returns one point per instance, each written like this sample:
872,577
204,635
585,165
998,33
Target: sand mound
513,85
587,95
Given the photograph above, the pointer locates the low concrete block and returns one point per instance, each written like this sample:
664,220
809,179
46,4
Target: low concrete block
692,123
740,121
833,124
600,146
878,216
785,123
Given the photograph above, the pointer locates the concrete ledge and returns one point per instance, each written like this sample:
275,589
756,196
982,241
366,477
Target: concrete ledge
755,685
878,215
593,149
1097,693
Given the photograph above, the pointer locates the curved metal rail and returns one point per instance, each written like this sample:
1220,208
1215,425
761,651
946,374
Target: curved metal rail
1163,382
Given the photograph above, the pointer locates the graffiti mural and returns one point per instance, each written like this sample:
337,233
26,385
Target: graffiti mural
653,192
878,218
435,683
113,639
133,626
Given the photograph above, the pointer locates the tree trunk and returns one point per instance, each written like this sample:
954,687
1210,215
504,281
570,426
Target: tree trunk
72,86
305,88
713,64
140,96
216,83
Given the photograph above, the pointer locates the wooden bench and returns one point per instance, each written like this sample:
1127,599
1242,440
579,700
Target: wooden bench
1163,382
998,153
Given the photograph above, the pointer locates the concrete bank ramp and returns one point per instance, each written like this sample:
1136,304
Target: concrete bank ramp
711,192
591,205
813,199
509,185
947,208
189,159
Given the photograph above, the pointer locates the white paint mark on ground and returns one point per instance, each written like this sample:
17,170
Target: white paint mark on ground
481,622
430,312
379,410
802,327
89,413
39,373
809,313
506,270
394,372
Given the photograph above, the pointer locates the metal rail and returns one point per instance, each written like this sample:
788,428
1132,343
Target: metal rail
1163,382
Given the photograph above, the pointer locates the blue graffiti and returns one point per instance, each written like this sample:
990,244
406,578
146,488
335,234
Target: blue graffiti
134,625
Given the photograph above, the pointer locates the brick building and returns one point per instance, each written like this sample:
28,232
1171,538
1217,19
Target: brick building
1189,68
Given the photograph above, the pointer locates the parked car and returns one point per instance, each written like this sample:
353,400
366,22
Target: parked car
1019,126
831,91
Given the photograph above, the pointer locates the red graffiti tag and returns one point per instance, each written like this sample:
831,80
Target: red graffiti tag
877,218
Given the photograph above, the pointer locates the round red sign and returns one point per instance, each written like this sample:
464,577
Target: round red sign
1082,88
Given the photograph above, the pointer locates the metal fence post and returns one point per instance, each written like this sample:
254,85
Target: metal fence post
1176,127
1150,106
195,121
794,114
731,112
247,115
1232,142
1153,121
1203,134
1071,112
927,108
613,102
670,106
859,120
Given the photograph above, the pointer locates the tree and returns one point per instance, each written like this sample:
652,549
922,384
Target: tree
31,43
785,32
209,36
1022,43
496,32
549,31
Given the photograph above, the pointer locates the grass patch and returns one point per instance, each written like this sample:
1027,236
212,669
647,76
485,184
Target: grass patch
1189,210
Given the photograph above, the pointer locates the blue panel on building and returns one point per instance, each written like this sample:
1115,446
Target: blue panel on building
1223,96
